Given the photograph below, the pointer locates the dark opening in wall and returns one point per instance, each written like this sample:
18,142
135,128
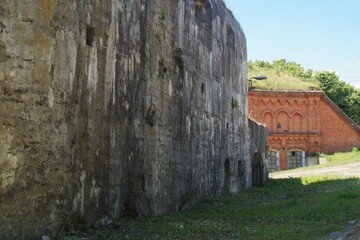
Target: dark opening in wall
227,174
241,170
230,37
257,168
162,68
90,36
202,88
179,62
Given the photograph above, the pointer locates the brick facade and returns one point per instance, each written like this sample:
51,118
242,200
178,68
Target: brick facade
301,124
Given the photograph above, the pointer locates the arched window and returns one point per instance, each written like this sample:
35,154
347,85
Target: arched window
297,123
282,124
268,118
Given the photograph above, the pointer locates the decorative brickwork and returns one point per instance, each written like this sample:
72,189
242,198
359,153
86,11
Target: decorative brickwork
301,125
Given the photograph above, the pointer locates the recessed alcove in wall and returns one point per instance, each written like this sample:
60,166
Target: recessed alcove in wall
230,37
227,174
203,11
204,18
90,36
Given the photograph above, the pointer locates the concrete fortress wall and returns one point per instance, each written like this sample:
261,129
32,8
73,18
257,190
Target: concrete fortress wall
117,108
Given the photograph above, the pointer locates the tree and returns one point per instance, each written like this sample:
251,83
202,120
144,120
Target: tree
354,101
341,93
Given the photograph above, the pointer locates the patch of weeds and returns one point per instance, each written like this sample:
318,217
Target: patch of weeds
234,103
186,201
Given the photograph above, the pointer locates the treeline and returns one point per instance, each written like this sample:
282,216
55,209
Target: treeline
346,96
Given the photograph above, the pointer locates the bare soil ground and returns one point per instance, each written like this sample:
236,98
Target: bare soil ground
352,232
352,169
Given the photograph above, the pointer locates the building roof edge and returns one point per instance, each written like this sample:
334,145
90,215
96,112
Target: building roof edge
335,107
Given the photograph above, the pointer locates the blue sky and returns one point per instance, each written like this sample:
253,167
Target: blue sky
318,34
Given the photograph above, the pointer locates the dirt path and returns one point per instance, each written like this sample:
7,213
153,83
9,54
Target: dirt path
351,232
352,169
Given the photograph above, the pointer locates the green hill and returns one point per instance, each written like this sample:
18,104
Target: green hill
279,80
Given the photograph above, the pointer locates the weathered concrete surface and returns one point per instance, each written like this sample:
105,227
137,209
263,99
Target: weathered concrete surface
117,108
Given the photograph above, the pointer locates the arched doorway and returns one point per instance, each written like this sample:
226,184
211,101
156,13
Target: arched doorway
227,175
258,170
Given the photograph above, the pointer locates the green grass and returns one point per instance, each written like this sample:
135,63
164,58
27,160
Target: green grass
279,80
296,208
340,158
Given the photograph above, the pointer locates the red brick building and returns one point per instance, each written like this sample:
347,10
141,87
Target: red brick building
301,124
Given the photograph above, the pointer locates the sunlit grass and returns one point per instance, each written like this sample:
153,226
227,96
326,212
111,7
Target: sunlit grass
320,178
342,157
279,80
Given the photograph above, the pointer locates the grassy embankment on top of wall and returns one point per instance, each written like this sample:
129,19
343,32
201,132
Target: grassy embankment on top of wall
279,80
